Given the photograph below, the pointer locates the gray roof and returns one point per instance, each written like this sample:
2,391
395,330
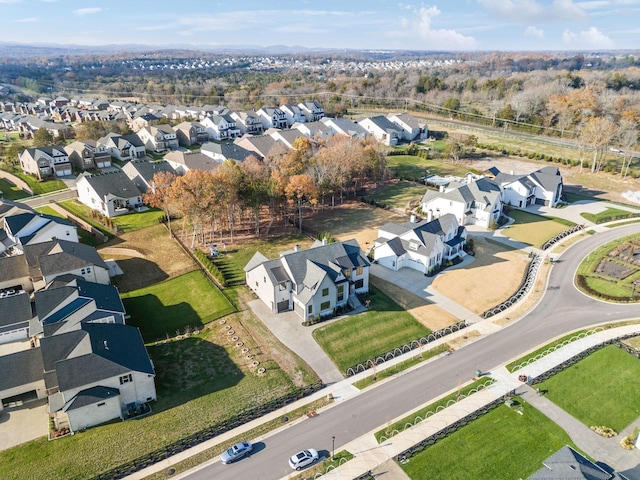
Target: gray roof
483,191
567,464
21,368
261,144
60,256
548,181
228,150
112,349
384,123
116,184
91,396
13,268
406,118
192,160
145,170
15,309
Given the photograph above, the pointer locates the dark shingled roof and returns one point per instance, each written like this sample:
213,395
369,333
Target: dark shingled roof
13,268
15,309
21,368
567,464
113,184
229,151
90,396
146,170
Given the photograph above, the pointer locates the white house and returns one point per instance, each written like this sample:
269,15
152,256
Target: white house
410,128
310,282
472,202
293,113
221,152
15,315
247,122
345,126
159,139
312,110
272,117
111,194
221,127
29,228
542,187
382,129
422,246
123,147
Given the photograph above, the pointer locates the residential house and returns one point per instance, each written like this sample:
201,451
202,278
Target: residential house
314,129
312,110
123,147
22,377
345,126
420,245
248,122
221,152
111,194
29,228
159,139
15,315
45,162
313,282
473,202
88,155
141,120
182,162
272,117
259,144
382,129
567,464
542,187
287,136
14,274
293,114
50,260
141,172
221,127
96,373
411,129
191,133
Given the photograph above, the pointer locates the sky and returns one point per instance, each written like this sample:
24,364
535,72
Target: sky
444,25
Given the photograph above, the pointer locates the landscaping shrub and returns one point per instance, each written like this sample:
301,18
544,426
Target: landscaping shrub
211,268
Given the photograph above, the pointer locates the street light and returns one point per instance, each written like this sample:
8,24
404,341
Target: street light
333,448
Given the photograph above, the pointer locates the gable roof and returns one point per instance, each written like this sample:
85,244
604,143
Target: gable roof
14,267
482,190
90,396
567,464
192,160
60,256
21,368
113,184
231,151
146,169
15,309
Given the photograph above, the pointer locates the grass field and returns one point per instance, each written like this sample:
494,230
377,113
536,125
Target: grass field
532,229
399,194
590,392
362,336
10,191
46,186
189,300
609,215
410,167
82,211
499,445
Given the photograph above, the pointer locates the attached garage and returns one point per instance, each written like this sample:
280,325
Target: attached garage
283,306
22,377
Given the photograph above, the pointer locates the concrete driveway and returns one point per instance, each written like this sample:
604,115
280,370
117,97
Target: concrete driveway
572,211
24,423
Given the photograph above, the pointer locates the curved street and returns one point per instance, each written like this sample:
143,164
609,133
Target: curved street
561,309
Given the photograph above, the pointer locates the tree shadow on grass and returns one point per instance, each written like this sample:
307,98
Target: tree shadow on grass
138,273
189,368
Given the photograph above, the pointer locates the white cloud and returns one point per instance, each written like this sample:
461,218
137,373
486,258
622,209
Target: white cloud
10,1
27,20
443,39
534,32
591,38
527,11
87,11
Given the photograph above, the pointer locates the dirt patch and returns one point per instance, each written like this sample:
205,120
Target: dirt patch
428,314
146,257
461,340
494,276
530,300
353,220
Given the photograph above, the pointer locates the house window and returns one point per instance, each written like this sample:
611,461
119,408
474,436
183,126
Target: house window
102,404
126,379
340,293
358,284
347,273
264,279
282,287
310,309
325,305
359,271
325,292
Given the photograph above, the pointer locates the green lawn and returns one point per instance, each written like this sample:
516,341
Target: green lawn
10,191
38,188
186,301
412,167
362,336
533,229
499,445
602,389
576,197
82,211
609,215
399,195
137,220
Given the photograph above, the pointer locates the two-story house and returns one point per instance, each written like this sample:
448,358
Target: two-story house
221,127
293,113
411,129
542,187
312,110
382,129
191,133
420,245
29,228
46,162
248,122
272,117
310,282
160,138
123,147
88,155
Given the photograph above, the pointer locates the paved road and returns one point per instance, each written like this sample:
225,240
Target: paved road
562,309
49,198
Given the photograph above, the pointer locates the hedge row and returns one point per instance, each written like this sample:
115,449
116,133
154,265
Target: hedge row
581,281
211,268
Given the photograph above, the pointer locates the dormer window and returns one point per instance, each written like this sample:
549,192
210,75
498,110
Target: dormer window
413,246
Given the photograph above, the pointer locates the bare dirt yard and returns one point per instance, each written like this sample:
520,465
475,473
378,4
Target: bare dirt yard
494,275
353,220
146,257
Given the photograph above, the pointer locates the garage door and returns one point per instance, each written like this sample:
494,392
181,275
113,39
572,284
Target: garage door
283,306
21,399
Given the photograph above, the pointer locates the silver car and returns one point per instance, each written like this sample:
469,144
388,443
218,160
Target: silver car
303,459
236,452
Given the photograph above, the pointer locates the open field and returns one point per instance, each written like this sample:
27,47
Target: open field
353,220
589,391
399,195
10,191
411,167
499,445
491,278
364,335
532,229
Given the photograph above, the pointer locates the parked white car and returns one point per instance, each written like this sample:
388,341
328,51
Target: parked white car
303,459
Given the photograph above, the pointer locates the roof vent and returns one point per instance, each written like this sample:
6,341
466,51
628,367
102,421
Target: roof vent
106,346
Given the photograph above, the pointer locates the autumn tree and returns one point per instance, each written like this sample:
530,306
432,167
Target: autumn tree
160,194
300,190
254,191
597,133
459,146
43,138
91,130
627,139
192,196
